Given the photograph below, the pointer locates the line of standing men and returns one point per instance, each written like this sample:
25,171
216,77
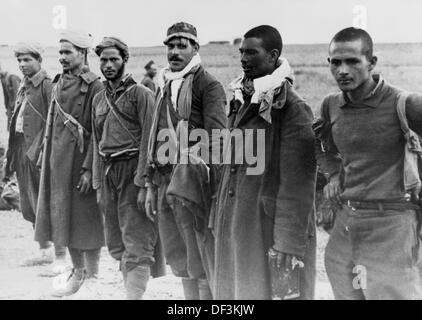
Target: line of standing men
221,230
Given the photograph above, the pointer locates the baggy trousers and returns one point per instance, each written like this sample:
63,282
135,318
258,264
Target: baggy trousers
373,254
189,252
130,236
28,177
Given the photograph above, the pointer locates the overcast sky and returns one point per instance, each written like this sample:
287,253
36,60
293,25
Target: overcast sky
144,23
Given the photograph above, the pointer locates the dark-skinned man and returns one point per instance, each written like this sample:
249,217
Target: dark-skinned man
151,72
67,211
188,98
122,115
374,247
265,219
10,84
25,139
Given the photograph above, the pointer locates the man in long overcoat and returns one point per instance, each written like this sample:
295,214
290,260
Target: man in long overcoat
266,210
67,212
25,137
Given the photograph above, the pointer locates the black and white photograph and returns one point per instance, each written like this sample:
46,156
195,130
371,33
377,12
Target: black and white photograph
210,150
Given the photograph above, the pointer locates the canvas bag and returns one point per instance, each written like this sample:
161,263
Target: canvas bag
412,152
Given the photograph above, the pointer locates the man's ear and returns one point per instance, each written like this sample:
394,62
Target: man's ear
274,55
196,48
373,62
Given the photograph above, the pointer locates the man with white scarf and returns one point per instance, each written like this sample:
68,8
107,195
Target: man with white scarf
186,92
264,223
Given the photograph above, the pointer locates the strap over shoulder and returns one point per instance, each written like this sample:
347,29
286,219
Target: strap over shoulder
56,78
401,111
89,77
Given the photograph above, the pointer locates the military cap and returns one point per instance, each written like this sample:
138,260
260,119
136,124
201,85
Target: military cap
183,30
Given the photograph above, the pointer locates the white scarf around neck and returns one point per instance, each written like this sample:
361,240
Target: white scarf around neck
264,84
176,78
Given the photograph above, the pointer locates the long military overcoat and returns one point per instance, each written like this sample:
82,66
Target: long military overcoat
65,216
273,208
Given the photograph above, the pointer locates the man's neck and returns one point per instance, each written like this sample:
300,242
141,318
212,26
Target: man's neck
33,74
363,91
114,84
76,71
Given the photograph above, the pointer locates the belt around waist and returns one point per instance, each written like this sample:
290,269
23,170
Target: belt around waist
120,156
382,206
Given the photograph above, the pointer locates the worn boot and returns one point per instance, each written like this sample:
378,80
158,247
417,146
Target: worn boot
190,288
136,282
123,271
45,256
92,261
68,283
204,290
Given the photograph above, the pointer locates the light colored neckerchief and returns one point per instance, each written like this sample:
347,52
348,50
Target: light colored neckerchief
176,78
264,87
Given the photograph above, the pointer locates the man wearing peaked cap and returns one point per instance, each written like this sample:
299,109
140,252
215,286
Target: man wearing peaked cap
121,123
67,211
188,97
25,138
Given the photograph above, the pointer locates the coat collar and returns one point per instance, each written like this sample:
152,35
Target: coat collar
38,78
372,100
126,82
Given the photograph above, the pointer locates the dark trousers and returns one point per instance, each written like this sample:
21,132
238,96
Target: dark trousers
28,177
188,251
374,254
308,274
130,236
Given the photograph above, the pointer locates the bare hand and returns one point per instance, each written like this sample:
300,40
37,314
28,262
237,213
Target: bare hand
151,203
333,189
280,260
85,182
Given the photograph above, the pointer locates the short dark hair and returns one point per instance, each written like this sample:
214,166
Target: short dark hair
271,38
353,34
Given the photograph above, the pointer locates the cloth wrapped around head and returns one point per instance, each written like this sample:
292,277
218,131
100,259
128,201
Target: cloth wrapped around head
112,42
32,48
80,39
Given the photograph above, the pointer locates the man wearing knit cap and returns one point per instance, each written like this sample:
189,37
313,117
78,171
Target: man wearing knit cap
151,72
67,211
25,139
121,123
187,94
10,84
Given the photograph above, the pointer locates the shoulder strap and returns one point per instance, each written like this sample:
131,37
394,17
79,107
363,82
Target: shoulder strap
117,114
70,122
401,111
35,110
